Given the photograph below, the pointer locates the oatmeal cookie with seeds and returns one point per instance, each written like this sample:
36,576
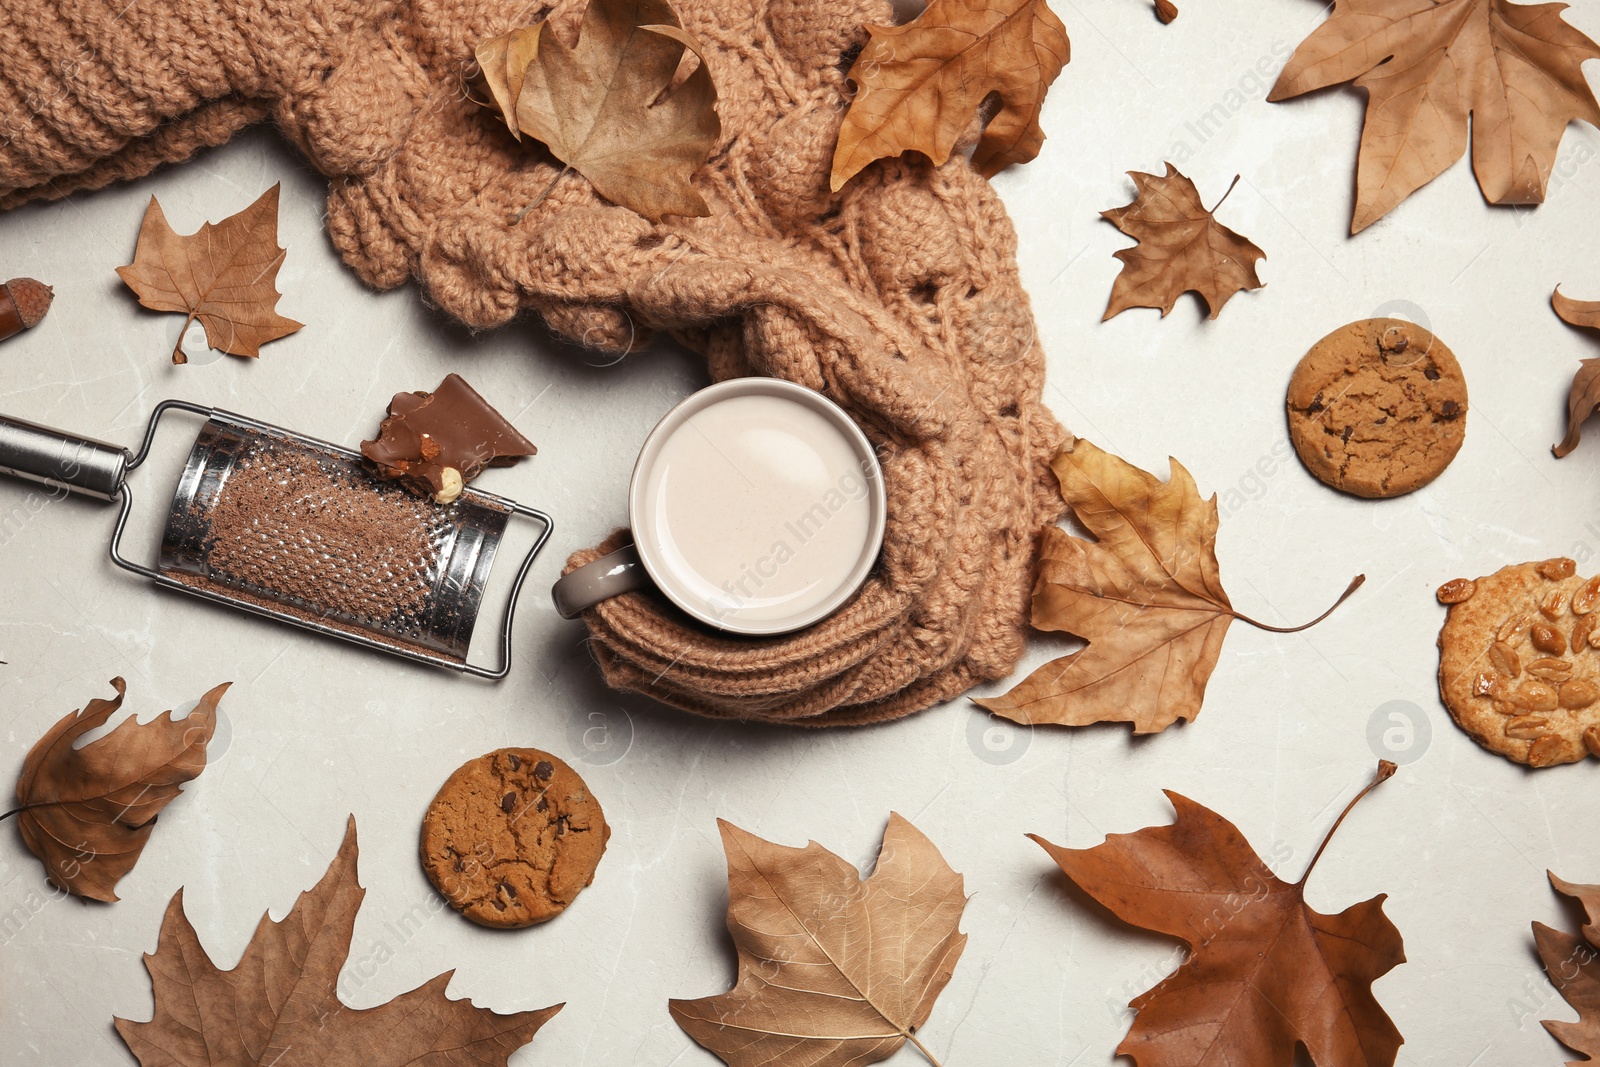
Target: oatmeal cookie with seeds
512,837
1519,668
1377,408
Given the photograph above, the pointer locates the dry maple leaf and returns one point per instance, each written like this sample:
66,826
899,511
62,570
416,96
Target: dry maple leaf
920,85
1425,65
834,969
280,1005
1264,972
87,812
1182,248
1573,966
223,274
603,107
1146,596
1584,395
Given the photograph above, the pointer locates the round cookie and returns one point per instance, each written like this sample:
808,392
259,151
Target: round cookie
1377,408
1518,665
512,837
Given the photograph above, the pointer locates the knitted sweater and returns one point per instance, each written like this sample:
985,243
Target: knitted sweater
898,297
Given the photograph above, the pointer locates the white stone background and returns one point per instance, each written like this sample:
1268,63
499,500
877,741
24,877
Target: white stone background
1459,839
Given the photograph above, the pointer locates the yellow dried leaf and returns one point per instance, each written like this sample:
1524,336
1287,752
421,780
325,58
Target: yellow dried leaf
1583,397
280,1004
1182,248
833,968
920,85
1146,596
603,107
1517,69
224,274
503,60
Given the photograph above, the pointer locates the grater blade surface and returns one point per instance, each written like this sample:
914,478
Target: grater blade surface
272,520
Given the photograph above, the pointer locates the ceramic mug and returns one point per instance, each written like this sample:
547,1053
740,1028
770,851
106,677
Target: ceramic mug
757,507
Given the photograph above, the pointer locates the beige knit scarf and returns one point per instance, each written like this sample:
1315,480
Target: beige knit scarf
898,297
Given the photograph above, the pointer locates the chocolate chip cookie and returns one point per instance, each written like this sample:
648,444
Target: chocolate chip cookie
1518,662
512,837
1377,408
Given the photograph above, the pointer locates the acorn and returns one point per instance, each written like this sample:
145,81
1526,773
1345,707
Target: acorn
23,302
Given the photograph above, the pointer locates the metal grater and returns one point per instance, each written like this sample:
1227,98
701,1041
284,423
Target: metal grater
298,530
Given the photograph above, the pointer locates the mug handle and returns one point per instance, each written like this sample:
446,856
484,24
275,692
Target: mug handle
611,575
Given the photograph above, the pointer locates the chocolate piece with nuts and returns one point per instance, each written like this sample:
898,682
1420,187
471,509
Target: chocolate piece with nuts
437,442
1519,666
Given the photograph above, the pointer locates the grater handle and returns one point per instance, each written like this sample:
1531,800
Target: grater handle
64,460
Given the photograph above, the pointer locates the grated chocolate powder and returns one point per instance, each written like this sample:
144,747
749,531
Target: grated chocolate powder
283,524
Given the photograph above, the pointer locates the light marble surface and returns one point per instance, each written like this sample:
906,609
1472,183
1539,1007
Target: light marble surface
314,730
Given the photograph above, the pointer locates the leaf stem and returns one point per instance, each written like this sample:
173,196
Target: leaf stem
13,811
1386,771
178,356
1225,196
924,1050
1355,583
519,216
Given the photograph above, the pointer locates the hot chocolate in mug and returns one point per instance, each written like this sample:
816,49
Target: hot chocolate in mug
757,507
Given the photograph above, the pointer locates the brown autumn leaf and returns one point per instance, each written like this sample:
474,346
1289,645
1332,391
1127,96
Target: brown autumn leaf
1264,971
1584,395
834,969
224,274
503,61
1146,596
87,812
1182,248
919,86
280,1004
603,107
1573,966
1425,65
